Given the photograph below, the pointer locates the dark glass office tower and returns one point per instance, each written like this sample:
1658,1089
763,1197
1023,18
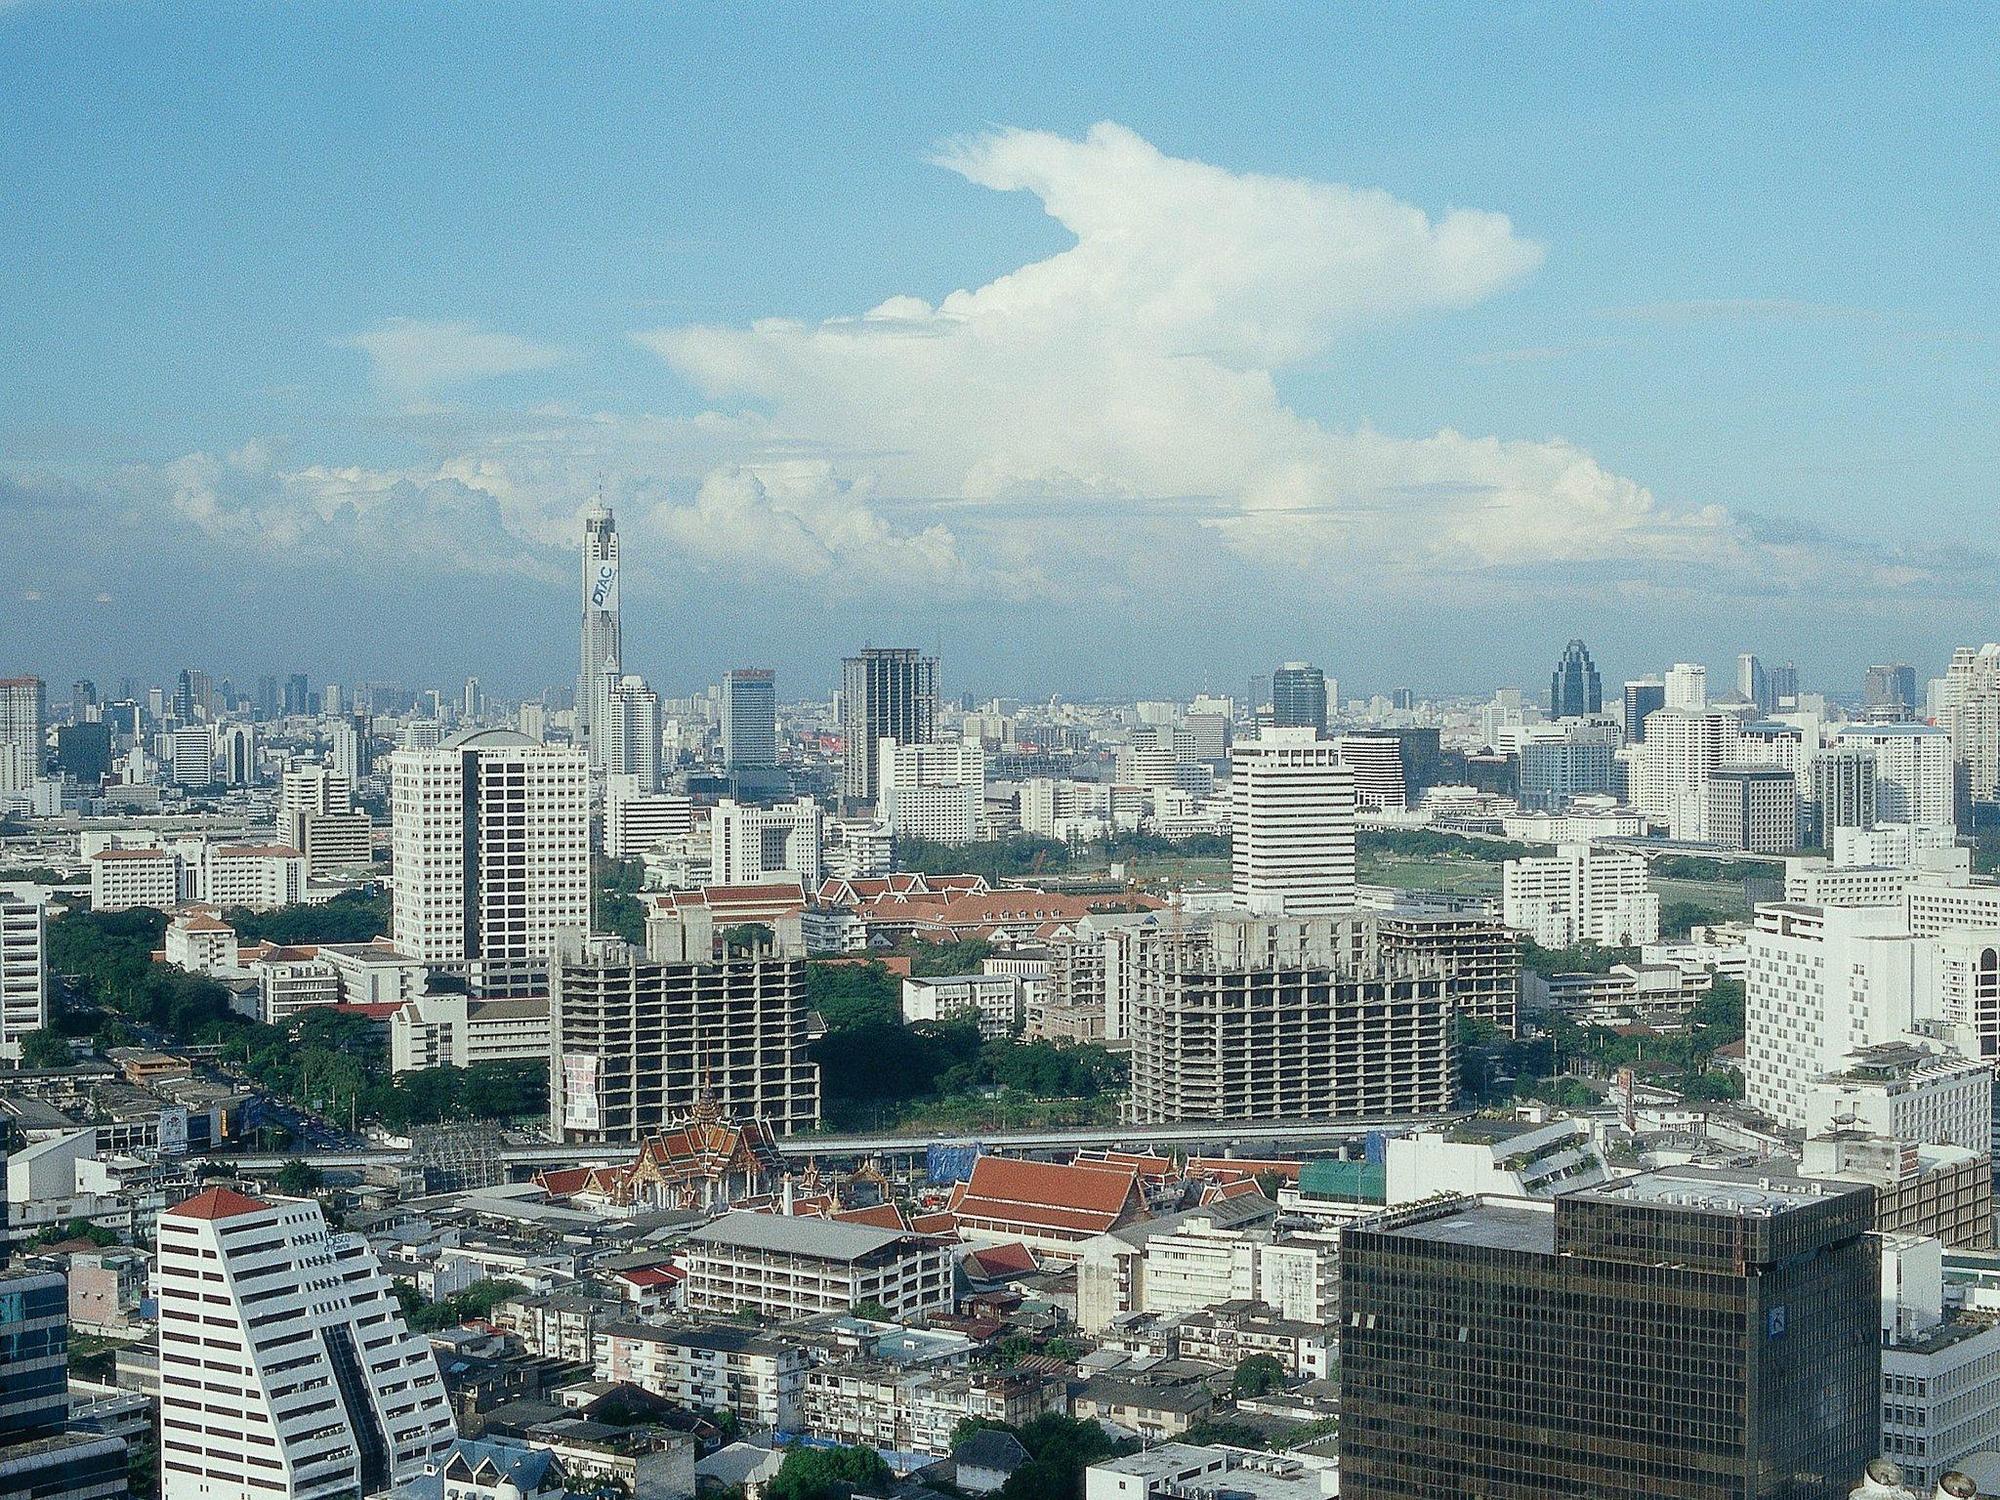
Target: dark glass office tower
38,1457
1574,688
1643,697
1679,1335
1298,697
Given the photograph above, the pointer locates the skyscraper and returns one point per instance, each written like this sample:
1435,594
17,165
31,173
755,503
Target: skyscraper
1642,696
491,842
603,642
1753,682
1575,689
1298,697
1783,681
887,693
298,694
749,718
286,1366
1889,685
24,717
1723,1323
1687,687
1292,824
628,736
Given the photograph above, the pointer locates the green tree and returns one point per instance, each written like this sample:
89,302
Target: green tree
300,1179
1257,1375
827,1473
45,1049
851,995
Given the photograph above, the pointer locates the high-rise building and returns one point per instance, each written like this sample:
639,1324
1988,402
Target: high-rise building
626,737
1914,771
1292,809
236,747
1783,681
1643,696
1843,786
636,821
603,640
1572,758
1299,697
1402,700
640,1040
1381,782
298,694
353,749
24,967
190,756
1754,808
472,706
1725,1324
1892,684
24,717
887,693
1669,770
1575,690
39,1458
83,751
752,845
1687,687
491,846
332,699
1581,894
316,816
267,696
749,718
1753,683
286,1368
1246,1018
934,792
82,700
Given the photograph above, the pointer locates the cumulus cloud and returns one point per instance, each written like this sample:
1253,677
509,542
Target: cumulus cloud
410,356
1139,365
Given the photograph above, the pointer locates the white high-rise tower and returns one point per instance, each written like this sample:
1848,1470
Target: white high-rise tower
603,644
1292,817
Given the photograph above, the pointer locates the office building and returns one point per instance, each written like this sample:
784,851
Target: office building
1245,1018
749,718
83,751
1843,789
285,1366
1299,697
933,792
1753,683
316,816
1914,771
640,1039
189,754
1783,681
1754,808
298,694
40,1458
603,652
24,967
1581,894
627,731
785,1266
24,717
1558,762
1678,1335
236,752
1377,763
755,845
1687,687
1643,696
1574,690
636,821
1893,685
1292,806
491,843
887,693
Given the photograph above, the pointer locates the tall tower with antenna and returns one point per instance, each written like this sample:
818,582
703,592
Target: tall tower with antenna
603,646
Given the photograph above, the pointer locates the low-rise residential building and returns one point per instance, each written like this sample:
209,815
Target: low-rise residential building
756,1378
1231,1332
785,1266
886,1405
1150,1411
449,1030
1622,993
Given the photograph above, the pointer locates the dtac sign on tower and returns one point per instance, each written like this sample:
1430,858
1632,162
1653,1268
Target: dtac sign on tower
604,590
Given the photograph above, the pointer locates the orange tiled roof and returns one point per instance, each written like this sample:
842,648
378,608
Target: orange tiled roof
218,1203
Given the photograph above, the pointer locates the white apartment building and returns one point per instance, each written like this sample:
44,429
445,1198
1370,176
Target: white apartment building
755,845
121,879
934,792
756,1378
625,731
1687,690
1970,715
1581,894
457,1031
994,1000
290,980
636,820
373,973
1292,807
259,876
491,842
286,1369
1914,771
1907,1093
784,1266
201,942
1669,769
24,976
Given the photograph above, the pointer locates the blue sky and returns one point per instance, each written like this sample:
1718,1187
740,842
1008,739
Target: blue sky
318,324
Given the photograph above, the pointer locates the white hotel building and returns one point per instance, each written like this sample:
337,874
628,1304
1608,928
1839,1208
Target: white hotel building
285,1367
491,843
1292,805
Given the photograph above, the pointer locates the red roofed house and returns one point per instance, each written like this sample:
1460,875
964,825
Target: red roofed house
1051,1209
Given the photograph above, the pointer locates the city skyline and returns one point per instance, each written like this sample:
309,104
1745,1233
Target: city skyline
1469,374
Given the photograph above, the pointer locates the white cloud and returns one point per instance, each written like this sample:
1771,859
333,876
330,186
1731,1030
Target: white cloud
1138,365
410,356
